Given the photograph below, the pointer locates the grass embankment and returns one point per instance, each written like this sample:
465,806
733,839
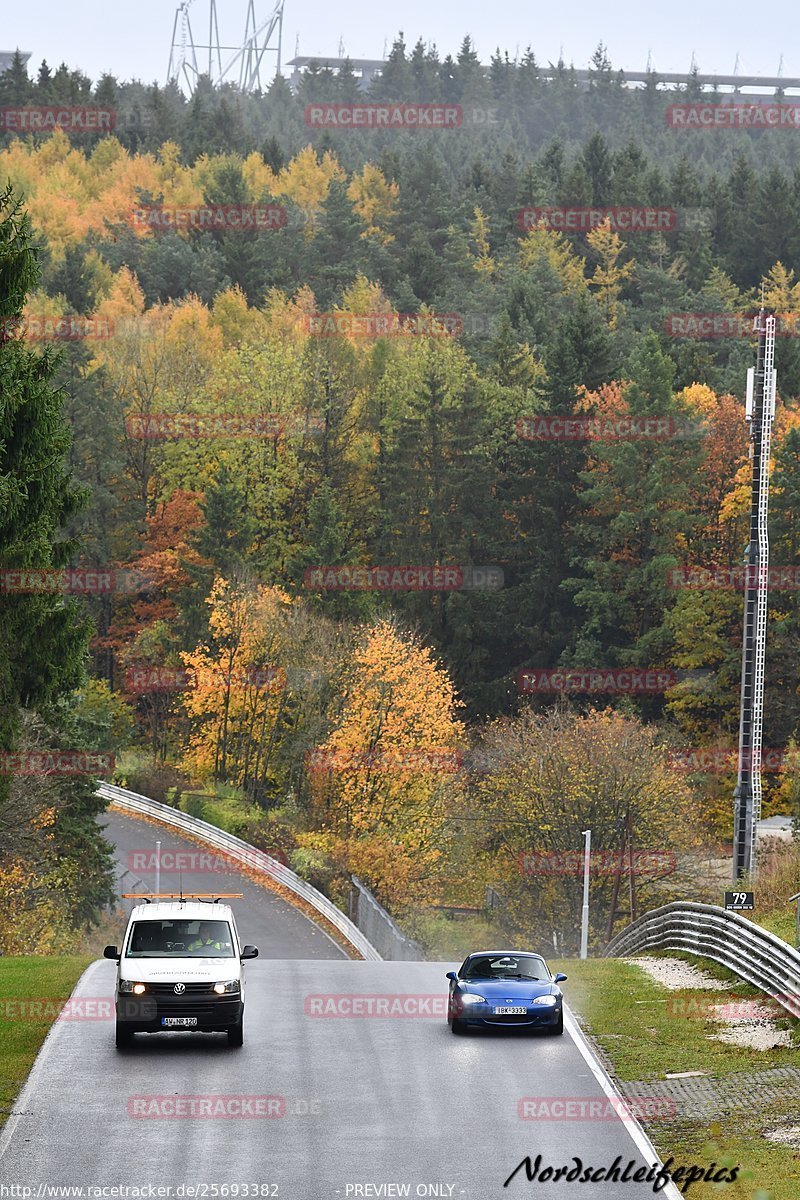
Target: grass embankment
29,986
640,1028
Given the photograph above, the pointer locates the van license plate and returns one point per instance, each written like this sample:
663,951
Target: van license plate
181,1022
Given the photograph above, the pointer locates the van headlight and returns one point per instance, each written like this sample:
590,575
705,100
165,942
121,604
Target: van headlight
229,985
129,985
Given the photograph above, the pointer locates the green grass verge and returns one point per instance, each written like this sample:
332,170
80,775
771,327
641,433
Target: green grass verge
35,979
637,1025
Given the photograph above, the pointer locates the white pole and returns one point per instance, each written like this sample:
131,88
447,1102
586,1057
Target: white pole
587,850
158,867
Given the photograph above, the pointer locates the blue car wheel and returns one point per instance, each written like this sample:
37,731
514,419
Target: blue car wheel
559,1027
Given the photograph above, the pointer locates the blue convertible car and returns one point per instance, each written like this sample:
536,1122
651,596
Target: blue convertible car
503,988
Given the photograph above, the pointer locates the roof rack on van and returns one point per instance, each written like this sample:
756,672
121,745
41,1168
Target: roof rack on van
212,896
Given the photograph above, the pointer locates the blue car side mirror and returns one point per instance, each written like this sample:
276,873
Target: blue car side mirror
451,975
557,978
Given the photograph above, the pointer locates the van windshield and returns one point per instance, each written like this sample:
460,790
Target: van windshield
179,939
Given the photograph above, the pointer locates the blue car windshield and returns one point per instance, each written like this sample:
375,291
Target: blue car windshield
506,966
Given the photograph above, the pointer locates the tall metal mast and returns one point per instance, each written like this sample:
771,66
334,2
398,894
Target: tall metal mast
244,67
760,413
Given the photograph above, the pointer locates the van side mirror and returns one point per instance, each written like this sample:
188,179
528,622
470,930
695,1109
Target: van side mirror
249,952
111,952
558,977
451,975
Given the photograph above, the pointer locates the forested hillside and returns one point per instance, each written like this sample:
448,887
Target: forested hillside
354,381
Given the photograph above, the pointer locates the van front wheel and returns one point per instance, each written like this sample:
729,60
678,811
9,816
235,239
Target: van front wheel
236,1033
122,1036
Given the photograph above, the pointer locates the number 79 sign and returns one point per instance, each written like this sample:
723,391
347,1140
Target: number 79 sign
739,901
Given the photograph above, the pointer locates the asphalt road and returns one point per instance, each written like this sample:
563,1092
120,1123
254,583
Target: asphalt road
274,925
352,1106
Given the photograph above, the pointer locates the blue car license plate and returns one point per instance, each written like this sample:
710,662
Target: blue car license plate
509,1012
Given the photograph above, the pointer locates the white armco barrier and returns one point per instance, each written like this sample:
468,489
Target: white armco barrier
241,852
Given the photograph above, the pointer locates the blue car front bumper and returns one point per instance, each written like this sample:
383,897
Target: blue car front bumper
542,1016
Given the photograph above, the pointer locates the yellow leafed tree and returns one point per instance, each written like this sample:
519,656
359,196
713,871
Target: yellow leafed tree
610,274
479,232
306,180
375,200
781,292
542,245
383,779
238,688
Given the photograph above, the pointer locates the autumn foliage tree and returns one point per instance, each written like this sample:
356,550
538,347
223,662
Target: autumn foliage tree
541,778
239,693
385,776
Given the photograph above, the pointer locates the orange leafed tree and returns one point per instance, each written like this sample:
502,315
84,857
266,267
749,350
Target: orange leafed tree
725,493
165,554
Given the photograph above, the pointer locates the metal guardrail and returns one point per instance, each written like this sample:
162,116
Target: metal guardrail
752,953
245,854
375,923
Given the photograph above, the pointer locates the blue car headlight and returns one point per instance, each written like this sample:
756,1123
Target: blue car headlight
547,1001
471,998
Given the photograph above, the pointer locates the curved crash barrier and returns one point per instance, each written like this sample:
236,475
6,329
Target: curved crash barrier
752,953
240,851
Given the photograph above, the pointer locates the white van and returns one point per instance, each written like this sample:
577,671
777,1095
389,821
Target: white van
180,968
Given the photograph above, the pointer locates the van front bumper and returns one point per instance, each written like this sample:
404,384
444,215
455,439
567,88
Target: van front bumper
149,1014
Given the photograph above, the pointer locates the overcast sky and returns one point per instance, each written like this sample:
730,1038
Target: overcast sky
132,40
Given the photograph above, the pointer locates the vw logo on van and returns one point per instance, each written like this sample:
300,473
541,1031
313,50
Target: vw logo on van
179,989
